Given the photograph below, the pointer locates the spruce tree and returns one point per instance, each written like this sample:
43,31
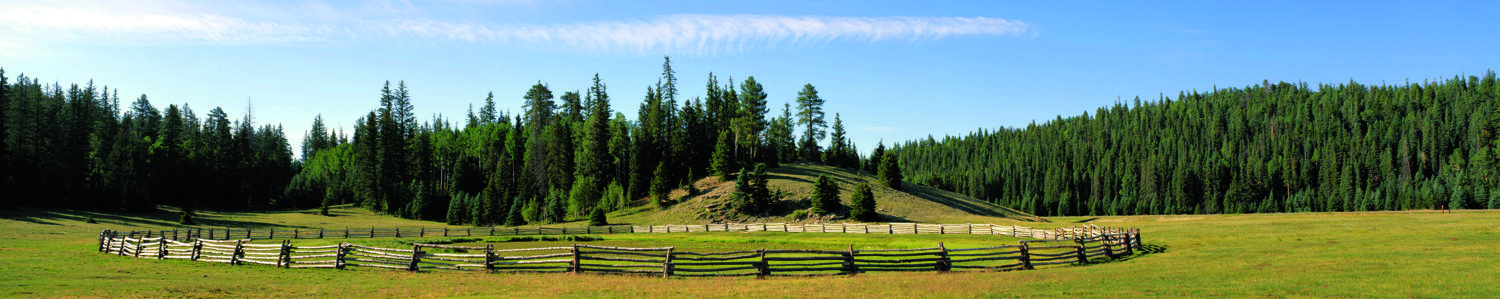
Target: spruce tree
597,218
890,172
723,159
862,204
760,192
659,185
825,198
517,210
740,199
810,116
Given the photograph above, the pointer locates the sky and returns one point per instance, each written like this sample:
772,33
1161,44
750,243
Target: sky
893,71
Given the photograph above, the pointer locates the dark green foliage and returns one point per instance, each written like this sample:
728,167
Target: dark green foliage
659,186
723,159
90,220
1282,147
760,192
825,199
810,116
596,218
73,146
890,171
862,204
517,216
740,199
186,219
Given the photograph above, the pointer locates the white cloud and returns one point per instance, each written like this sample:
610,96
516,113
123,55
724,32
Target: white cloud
689,34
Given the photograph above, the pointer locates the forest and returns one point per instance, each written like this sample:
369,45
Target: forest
563,158
1263,148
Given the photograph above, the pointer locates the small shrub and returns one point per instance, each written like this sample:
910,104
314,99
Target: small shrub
799,214
597,218
186,219
90,220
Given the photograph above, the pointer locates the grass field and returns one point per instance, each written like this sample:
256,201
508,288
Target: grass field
51,253
916,203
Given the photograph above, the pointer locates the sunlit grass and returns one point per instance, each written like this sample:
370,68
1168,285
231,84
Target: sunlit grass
51,253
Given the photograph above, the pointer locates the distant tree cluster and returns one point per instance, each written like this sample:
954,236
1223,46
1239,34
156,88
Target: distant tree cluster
76,147
564,158
1258,149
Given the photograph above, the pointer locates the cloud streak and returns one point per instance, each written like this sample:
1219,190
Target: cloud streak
686,34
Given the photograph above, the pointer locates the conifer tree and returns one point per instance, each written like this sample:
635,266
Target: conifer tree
890,172
862,204
810,116
659,185
740,198
825,198
723,159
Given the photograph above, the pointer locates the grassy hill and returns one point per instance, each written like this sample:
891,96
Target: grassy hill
916,204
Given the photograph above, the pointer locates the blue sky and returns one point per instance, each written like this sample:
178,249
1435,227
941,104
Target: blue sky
894,70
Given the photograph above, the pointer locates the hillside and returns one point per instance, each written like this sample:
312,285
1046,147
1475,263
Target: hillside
917,204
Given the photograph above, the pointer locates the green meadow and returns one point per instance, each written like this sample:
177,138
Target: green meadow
52,253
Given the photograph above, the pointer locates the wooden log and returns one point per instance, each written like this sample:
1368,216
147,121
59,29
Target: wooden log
577,256
1025,257
943,254
666,267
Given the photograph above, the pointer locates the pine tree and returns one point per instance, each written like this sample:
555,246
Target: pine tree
760,192
862,204
659,185
825,198
890,172
723,159
597,218
810,116
740,199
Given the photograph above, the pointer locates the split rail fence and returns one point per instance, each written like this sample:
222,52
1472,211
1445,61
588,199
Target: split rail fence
424,232
1056,247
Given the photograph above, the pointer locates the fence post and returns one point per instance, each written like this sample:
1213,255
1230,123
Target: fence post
1129,247
161,248
272,234
422,232
489,257
416,253
338,261
1078,249
1105,239
492,230
1026,256
576,268
667,266
398,234
445,232
121,250
944,264
138,242
286,254
765,269
101,239
320,233
849,261
197,249
239,246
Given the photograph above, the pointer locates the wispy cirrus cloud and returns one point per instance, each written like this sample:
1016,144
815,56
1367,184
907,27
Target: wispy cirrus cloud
684,33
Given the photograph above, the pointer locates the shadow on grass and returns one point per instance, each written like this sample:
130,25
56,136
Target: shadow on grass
1145,250
153,217
971,207
1086,220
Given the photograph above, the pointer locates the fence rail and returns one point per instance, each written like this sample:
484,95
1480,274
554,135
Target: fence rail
185,235
1056,247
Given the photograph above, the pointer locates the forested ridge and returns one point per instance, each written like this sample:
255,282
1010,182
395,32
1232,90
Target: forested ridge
1263,148
564,157
75,147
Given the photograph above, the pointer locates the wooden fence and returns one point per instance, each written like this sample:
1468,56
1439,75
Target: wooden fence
423,232
1084,244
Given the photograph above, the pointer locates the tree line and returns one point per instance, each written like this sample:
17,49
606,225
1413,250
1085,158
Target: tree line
76,147
1263,148
564,157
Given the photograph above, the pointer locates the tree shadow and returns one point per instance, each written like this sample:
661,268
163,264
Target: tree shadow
1086,220
153,217
971,207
